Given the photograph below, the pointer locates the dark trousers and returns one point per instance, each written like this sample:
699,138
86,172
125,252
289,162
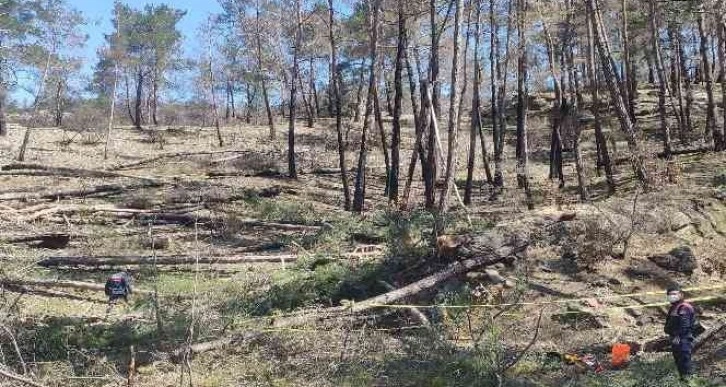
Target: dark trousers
682,356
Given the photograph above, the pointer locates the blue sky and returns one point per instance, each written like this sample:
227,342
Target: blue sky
98,22
98,16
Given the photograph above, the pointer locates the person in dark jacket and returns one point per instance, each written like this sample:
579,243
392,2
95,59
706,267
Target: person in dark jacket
118,287
679,327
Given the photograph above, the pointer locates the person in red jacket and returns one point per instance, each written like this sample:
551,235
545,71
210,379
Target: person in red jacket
679,327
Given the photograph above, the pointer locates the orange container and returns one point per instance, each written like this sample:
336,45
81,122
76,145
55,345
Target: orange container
620,355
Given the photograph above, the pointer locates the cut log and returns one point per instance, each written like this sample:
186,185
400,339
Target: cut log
17,168
238,339
49,293
44,241
101,190
171,156
483,256
97,261
50,284
678,152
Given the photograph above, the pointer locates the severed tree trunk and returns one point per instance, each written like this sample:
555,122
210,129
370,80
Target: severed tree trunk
601,141
291,166
626,124
338,101
360,179
707,77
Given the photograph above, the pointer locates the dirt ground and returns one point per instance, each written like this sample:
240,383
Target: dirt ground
241,200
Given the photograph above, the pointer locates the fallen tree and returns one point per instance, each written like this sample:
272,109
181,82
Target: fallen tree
43,241
22,168
172,155
14,288
86,192
97,261
50,284
479,252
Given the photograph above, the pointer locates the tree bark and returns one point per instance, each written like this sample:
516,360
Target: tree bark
338,102
662,81
453,114
720,131
3,101
601,141
522,104
291,165
476,126
360,179
397,100
707,75
626,124
139,97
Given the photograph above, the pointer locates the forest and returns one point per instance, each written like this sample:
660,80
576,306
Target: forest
361,192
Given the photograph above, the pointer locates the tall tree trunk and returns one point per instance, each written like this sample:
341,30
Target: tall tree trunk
720,131
291,165
3,99
128,98
677,83
139,98
558,111
378,116
579,163
420,124
360,179
154,99
359,93
628,74
708,78
476,126
687,82
263,75
601,141
522,104
662,81
397,100
112,111
213,96
314,88
621,110
453,115
434,64
338,101
59,103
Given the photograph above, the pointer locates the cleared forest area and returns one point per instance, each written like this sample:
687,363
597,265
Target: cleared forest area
366,193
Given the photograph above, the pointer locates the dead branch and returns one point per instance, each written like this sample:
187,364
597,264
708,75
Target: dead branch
526,349
96,261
